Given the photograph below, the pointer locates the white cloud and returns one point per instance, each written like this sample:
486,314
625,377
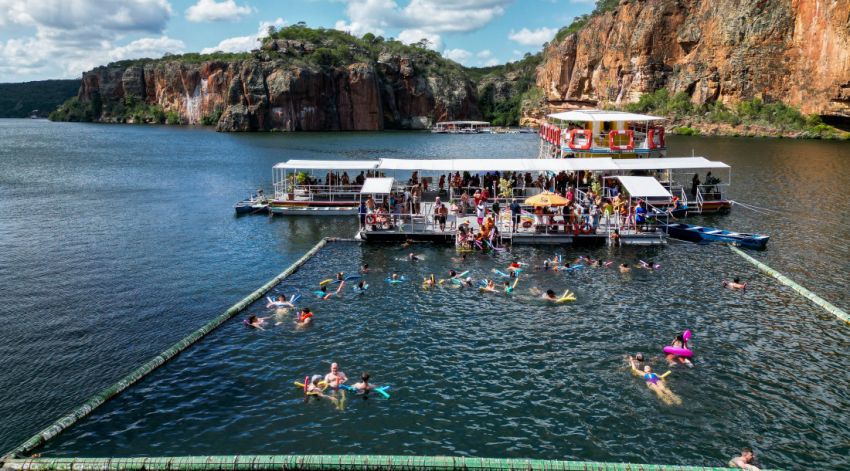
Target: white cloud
70,36
410,36
457,55
484,54
147,47
245,43
211,10
535,37
428,16
492,62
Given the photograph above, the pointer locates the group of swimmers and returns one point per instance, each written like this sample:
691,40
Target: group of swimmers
333,386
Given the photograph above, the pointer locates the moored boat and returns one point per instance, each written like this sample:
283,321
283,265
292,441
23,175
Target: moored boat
694,233
255,204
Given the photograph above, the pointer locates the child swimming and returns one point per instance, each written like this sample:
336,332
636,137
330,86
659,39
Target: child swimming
655,383
305,318
255,322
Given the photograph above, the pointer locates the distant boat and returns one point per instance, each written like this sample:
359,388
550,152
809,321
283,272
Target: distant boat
694,233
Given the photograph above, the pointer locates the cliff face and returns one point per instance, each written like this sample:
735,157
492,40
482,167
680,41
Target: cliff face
795,51
265,93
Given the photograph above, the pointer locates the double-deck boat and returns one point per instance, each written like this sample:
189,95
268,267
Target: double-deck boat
621,135
461,127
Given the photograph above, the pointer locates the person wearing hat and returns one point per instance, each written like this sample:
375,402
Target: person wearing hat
440,213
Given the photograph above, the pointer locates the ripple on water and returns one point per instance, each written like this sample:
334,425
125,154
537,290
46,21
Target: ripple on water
495,375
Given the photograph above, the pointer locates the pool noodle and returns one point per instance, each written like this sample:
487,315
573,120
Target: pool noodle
324,282
665,375
295,297
501,273
352,277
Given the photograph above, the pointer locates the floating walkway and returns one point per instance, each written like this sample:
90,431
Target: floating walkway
329,463
823,303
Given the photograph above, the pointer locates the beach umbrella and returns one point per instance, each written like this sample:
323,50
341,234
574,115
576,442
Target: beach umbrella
546,199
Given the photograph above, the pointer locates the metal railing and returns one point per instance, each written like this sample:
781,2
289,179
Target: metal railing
287,192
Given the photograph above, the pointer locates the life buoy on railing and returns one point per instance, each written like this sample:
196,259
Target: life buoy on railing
557,131
629,146
655,132
370,219
586,134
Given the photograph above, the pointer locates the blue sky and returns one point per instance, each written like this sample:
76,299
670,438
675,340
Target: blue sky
41,39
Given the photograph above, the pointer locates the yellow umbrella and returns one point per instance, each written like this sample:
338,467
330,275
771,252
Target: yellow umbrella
546,199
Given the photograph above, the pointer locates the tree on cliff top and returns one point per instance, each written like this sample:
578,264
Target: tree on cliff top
579,22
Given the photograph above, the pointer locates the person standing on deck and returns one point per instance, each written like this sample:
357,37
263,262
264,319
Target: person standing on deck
480,212
694,185
440,213
516,212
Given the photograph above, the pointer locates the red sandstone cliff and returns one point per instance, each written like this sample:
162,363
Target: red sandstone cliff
266,92
795,51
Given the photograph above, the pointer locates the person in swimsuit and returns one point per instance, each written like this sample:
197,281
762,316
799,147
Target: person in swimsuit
430,282
280,302
412,257
256,322
624,268
655,383
363,387
735,284
361,286
335,377
316,390
305,318
491,287
679,342
744,461
364,268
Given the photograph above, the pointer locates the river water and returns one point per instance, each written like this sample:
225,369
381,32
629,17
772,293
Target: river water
116,241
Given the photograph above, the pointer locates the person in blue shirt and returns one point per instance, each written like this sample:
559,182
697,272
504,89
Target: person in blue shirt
640,215
516,211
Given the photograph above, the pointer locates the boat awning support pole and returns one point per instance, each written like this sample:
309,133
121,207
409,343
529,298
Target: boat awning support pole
826,305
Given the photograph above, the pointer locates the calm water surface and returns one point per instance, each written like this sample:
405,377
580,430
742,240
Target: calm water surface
116,241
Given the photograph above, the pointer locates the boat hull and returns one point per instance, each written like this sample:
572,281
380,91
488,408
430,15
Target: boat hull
692,233
314,208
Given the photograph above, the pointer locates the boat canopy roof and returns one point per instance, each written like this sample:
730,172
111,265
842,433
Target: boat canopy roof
668,163
378,186
602,115
510,165
644,187
476,123
328,164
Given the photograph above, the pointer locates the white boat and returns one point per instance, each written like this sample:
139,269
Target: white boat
299,191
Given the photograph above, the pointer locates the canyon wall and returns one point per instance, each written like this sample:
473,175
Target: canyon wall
795,51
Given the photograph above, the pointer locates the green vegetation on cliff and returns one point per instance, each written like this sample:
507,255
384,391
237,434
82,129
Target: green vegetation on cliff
774,118
503,89
578,22
19,100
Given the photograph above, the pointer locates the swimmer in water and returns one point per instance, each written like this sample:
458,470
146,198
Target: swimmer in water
514,266
361,286
490,287
323,293
305,318
637,361
735,284
364,387
256,322
745,461
406,243
280,302
452,274
429,282
679,342
340,276
335,377
546,265
549,295
624,268
364,268
316,390
650,265
412,257
655,383
394,276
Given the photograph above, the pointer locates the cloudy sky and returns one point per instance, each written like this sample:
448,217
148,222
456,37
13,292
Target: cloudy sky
41,39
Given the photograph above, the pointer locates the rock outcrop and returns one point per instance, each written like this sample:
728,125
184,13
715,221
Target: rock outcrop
795,51
268,92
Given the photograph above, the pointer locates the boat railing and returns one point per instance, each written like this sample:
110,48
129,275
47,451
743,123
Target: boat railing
288,192
423,221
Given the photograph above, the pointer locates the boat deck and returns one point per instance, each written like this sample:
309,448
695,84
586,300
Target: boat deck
419,227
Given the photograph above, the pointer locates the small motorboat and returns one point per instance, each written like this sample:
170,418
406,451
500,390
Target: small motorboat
253,205
695,233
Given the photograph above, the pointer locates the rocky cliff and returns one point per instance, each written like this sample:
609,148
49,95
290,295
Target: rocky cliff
289,85
795,51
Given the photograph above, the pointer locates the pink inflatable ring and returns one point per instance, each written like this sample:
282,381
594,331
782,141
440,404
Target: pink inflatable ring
678,351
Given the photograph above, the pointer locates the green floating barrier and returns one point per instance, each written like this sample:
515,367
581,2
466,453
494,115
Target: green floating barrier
823,303
98,399
330,463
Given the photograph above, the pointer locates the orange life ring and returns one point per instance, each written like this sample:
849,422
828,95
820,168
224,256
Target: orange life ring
370,219
655,131
629,146
557,136
587,134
